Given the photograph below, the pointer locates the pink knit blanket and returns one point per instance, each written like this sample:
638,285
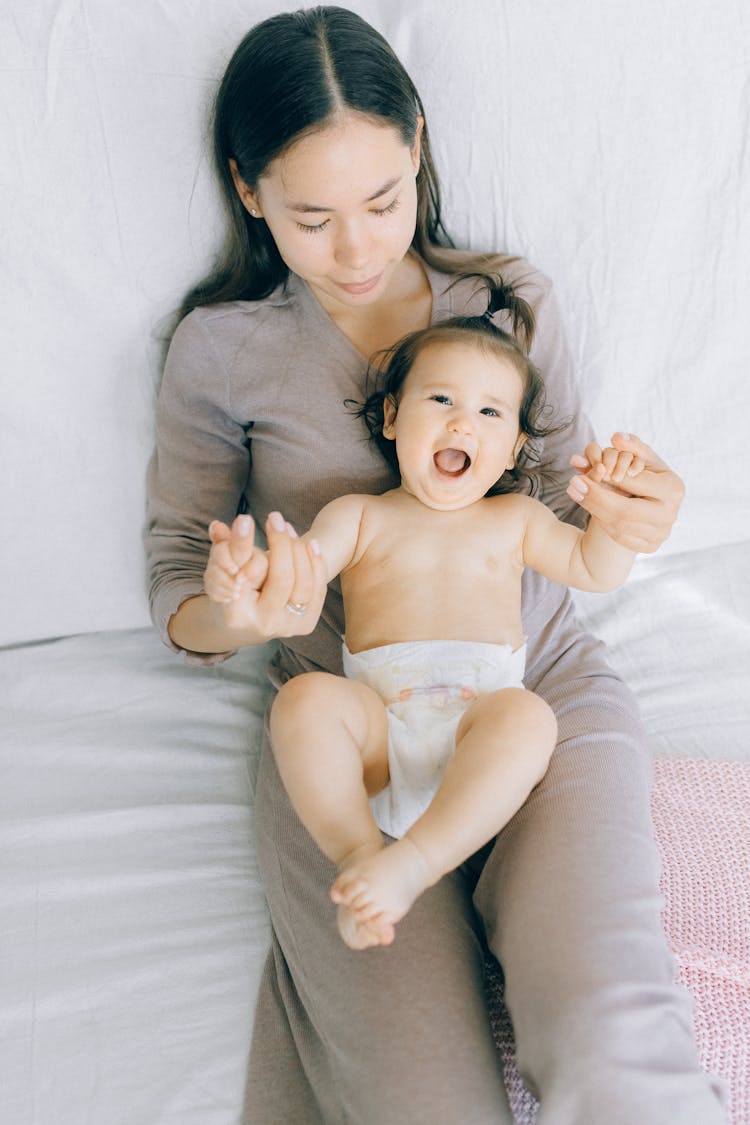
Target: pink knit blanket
701,813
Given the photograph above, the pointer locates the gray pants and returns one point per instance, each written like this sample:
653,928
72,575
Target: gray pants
566,898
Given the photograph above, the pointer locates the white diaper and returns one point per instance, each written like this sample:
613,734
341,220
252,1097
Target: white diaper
426,687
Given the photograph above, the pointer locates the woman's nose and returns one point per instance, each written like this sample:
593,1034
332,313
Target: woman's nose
352,247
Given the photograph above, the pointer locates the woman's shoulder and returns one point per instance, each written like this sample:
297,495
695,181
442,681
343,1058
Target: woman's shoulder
215,347
215,337
229,319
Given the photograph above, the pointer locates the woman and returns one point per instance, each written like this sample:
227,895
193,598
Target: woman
335,252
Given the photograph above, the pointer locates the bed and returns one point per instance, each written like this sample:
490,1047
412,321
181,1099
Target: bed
608,144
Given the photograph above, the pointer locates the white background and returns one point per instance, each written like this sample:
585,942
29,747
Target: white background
607,142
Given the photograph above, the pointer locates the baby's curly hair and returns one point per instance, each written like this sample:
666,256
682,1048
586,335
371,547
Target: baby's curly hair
391,369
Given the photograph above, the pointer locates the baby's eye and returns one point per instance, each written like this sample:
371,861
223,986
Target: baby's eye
442,399
490,412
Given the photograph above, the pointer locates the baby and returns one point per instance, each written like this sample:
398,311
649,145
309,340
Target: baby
430,737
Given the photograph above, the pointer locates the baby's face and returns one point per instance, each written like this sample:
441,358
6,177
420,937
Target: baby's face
456,428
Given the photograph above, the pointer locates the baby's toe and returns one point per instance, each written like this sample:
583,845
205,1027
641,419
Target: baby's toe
343,888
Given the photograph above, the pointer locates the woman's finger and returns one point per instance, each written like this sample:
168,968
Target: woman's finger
627,518
288,583
303,590
578,461
633,444
279,582
654,484
241,540
311,584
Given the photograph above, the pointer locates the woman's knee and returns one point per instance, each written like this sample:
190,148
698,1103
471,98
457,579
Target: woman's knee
621,1052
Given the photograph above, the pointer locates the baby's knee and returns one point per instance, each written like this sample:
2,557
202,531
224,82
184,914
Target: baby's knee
529,717
298,699
541,719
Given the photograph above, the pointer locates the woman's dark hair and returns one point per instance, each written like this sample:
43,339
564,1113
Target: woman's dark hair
392,368
290,76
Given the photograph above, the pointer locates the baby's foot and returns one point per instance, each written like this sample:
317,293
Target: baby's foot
359,934
375,891
362,935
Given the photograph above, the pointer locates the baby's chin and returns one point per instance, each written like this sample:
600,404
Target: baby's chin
447,499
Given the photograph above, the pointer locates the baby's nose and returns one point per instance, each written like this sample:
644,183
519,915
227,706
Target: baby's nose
460,423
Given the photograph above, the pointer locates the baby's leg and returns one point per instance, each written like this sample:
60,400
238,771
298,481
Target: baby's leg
330,740
503,745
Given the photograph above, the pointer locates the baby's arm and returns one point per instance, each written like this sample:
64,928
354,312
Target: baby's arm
335,531
586,560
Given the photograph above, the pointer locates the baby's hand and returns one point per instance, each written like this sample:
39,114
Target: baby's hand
608,467
234,561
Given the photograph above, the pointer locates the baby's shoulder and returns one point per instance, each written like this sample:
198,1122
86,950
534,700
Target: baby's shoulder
515,512
351,504
511,504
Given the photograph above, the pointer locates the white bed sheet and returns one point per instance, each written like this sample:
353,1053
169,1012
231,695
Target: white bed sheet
134,927
133,923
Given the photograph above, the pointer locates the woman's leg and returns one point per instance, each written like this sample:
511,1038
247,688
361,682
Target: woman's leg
569,896
391,1036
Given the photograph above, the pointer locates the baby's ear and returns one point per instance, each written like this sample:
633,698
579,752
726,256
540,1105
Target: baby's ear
390,408
520,442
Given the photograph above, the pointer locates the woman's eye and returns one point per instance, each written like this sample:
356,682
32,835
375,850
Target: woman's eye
313,229
394,206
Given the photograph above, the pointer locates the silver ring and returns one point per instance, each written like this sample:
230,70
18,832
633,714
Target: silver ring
299,609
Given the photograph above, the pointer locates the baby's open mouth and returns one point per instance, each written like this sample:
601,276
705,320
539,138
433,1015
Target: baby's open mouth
452,461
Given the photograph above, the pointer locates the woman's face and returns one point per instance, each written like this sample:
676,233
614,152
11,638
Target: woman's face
341,205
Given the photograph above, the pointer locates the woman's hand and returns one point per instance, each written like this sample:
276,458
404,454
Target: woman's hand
274,593
630,490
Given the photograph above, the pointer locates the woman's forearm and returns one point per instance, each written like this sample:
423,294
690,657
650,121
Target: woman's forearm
199,625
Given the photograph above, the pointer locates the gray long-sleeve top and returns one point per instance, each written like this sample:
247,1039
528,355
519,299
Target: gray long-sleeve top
255,413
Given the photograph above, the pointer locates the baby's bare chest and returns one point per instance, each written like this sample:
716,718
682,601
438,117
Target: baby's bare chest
440,549
449,578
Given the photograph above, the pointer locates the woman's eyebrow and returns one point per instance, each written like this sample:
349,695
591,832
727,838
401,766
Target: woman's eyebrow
314,207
